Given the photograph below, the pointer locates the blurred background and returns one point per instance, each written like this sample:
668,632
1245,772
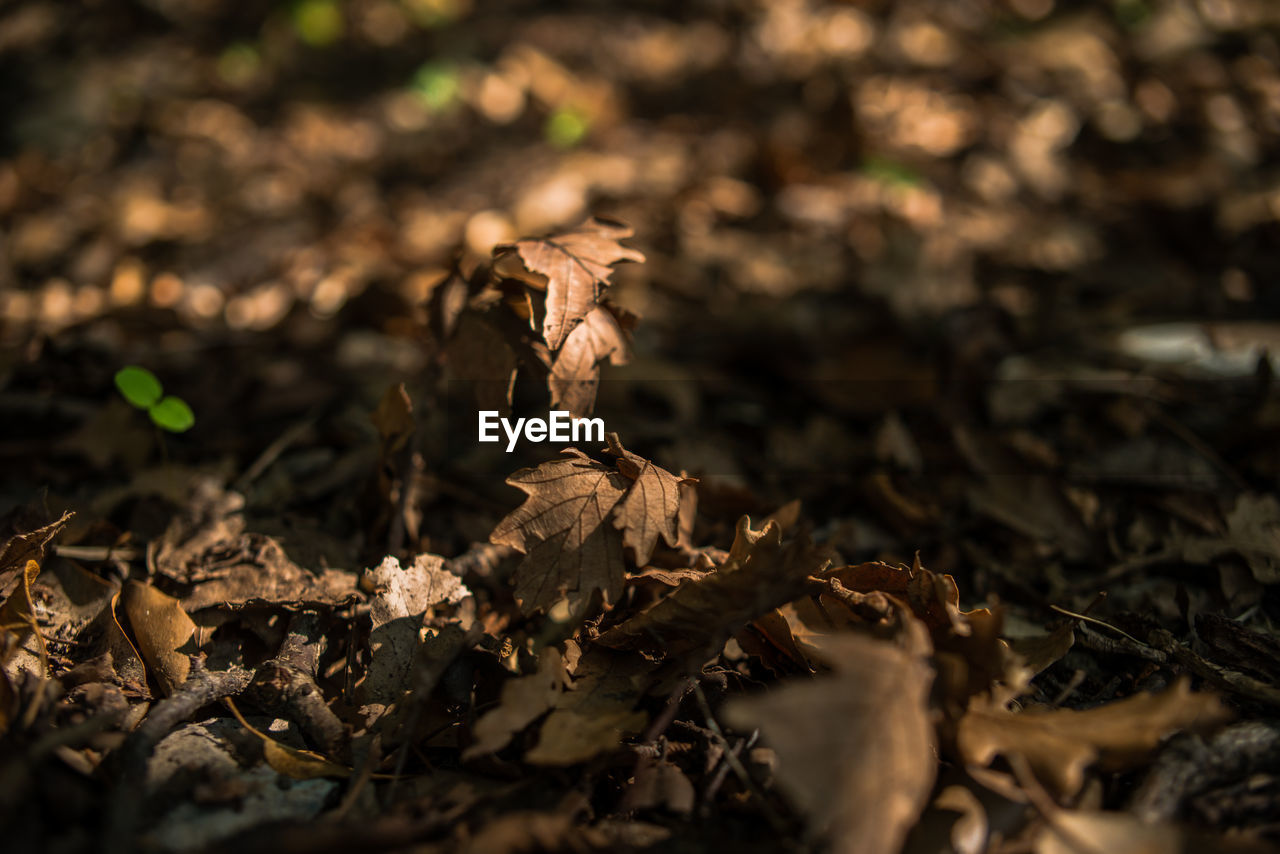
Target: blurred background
868,224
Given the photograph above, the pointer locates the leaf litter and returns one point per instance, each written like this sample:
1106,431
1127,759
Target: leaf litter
361,640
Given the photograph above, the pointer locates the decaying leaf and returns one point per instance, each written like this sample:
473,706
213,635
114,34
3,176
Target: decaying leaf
164,632
206,547
696,618
572,546
575,373
401,597
594,715
855,749
1060,744
573,267
524,700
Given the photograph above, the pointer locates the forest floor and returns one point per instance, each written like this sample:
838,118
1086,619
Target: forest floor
939,510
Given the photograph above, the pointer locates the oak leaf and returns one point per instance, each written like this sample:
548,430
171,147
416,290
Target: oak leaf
855,749
573,267
524,700
576,520
593,716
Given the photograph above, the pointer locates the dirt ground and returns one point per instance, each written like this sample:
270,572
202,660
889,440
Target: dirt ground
939,509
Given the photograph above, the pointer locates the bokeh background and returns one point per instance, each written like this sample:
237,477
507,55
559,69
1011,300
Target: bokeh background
850,211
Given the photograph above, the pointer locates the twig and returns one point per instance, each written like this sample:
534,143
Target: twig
97,553
287,683
775,821
722,772
200,689
1230,680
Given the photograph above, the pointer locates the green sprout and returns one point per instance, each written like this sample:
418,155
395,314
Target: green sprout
436,85
318,22
141,388
566,127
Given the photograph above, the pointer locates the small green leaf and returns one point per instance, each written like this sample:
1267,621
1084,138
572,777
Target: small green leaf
173,414
319,23
436,84
139,386
566,127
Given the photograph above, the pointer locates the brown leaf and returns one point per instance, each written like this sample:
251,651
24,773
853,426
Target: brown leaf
1090,832
575,373
163,631
651,505
290,761
592,717
573,267
18,619
524,700
21,548
696,618
855,750
1059,744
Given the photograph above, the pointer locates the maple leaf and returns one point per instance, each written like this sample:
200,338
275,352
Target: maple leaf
575,373
856,749
573,267
576,520
561,528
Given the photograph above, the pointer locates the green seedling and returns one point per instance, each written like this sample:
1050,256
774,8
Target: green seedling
566,127
436,85
141,388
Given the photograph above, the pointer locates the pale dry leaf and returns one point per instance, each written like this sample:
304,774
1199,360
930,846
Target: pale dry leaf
575,373
562,529
856,748
574,266
1060,744
593,716
651,505
401,597
524,700
164,632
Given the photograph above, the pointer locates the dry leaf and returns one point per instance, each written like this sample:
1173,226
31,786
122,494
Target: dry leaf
651,505
1089,832
524,700
163,631
696,618
397,608
479,354
563,527
855,749
569,549
594,715
573,267
21,548
575,373
290,761
1059,744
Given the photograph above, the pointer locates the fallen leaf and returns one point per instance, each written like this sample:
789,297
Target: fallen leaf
524,700
19,549
573,267
651,505
575,373
18,618
163,631
1091,832
595,713
1060,744
399,603
692,622
569,550
856,748
290,761
479,354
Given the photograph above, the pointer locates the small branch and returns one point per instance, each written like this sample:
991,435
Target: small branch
286,684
